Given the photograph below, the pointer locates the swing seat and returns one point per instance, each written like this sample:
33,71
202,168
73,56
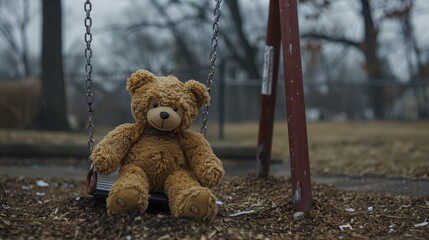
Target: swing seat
103,188
100,189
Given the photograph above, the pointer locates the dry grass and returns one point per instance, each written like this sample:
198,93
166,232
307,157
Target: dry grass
19,102
351,148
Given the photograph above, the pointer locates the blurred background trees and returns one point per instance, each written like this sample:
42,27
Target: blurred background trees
374,16
362,59
15,18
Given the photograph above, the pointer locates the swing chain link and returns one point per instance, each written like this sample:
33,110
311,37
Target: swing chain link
209,83
88,72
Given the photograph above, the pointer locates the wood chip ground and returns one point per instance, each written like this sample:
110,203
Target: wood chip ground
250,208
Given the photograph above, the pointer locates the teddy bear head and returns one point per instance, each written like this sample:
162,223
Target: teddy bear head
165,103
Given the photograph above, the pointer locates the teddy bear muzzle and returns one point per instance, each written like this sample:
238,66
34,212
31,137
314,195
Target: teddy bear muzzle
164,118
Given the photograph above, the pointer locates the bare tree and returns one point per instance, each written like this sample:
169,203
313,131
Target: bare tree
15,17
368,45
244,51
416,63
53,105
189,25
179,28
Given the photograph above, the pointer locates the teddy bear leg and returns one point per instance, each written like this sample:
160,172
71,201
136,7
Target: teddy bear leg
129,192
187,198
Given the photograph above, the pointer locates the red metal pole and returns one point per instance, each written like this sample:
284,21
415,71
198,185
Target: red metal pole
298,146
268,97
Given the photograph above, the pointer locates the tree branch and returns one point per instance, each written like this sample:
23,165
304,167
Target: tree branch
167,24
335,39
249,50
232,48
186,54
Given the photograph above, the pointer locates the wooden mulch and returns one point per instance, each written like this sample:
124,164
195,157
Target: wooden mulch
249,208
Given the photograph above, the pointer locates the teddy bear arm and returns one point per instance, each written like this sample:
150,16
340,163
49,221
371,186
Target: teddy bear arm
204,164
108,154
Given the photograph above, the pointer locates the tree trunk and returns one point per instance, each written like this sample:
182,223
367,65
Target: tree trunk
249,59
24,39
53,106
372,60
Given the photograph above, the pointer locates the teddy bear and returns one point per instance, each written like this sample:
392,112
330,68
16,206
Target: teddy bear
158,153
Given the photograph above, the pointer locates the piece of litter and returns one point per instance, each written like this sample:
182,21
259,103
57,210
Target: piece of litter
128,237
350,209
298,215
345,227
69,185
5,206
422,224
26,187
77,198
370,209
40,194
241,213
391,228
42,183
218,202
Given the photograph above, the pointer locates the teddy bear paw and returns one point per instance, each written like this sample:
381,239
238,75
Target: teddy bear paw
123,201
200,205
102,163
212,177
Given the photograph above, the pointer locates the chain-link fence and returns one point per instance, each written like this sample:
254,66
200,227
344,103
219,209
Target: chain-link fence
237,100
233,100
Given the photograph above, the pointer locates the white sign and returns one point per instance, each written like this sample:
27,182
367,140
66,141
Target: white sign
267,76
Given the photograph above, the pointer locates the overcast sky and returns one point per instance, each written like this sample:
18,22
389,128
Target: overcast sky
104,13
109,12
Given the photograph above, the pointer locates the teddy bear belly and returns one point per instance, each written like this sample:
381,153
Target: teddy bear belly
158,158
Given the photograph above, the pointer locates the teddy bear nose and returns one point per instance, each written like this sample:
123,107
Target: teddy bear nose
164,115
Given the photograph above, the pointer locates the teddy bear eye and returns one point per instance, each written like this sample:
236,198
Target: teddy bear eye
175,109
155,105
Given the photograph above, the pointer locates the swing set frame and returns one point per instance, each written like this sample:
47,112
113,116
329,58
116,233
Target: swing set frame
283,31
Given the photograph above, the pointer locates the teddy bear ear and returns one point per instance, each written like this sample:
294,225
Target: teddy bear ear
138,79
199,91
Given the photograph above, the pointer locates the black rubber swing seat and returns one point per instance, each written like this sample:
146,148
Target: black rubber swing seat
100,188
103,188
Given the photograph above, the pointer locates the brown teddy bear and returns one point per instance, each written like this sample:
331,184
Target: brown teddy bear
157,153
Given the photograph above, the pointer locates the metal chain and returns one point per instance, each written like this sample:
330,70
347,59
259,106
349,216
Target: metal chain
209,83
88,71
